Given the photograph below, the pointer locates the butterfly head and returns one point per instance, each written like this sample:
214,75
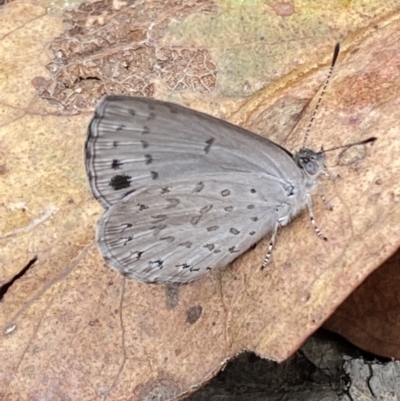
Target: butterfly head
310,162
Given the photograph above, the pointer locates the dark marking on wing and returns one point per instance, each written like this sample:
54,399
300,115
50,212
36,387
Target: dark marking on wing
127,225
194,220
209,142
173,202
156,263
233,249
165,190
145,144
254,218
210,247
129,192
146,130
115,144
199,187
208,268
173,109
253,191
151,116
142,206
217,251
234,231
148,158
154,175
228,208
137,254
250,207
225,192
127,239
120,127
132,112
170,238
120,182
183,265
116,164
289,190
194,269
206,209
159,218
186,244
252,232
157,229
213,228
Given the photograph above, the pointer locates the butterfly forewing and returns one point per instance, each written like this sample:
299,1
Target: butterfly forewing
178,231
135,143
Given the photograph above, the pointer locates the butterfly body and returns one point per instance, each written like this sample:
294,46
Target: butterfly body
185,192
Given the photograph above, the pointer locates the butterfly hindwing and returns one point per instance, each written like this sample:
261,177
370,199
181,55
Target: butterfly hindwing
178,231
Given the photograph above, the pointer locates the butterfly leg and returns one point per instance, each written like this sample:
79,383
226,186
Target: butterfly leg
325,201
267,258
313,222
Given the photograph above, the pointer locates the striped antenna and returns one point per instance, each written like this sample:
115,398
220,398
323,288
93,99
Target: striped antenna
334,58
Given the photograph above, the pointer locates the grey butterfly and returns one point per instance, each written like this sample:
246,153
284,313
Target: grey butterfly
185,192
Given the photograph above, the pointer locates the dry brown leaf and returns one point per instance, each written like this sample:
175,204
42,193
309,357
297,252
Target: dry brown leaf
72,327
370,316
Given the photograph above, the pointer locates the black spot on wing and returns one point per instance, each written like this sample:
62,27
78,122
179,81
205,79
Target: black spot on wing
154,175
254,218
228,208
172,108
115,144
145,144
120,127
183,265
137,255
209,142
173,202
149,159
199,187
253,191
194,220
225,192
233,249
142,207
131,112
212,228
120,181
129,192
165,190
210,247
116,164
156,263
151,116
170,238
206,209
186,244
146,130
234,231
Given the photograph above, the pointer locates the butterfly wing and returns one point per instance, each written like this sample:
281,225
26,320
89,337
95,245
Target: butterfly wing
137,142
178,231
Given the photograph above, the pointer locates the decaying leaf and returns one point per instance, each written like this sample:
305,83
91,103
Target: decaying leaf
72,327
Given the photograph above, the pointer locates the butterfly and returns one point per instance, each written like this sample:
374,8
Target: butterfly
186,192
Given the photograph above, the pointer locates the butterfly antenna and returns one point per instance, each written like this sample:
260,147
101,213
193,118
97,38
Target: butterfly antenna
349,145
334,58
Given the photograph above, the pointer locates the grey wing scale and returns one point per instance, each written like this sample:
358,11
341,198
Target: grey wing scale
178,231
135,143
